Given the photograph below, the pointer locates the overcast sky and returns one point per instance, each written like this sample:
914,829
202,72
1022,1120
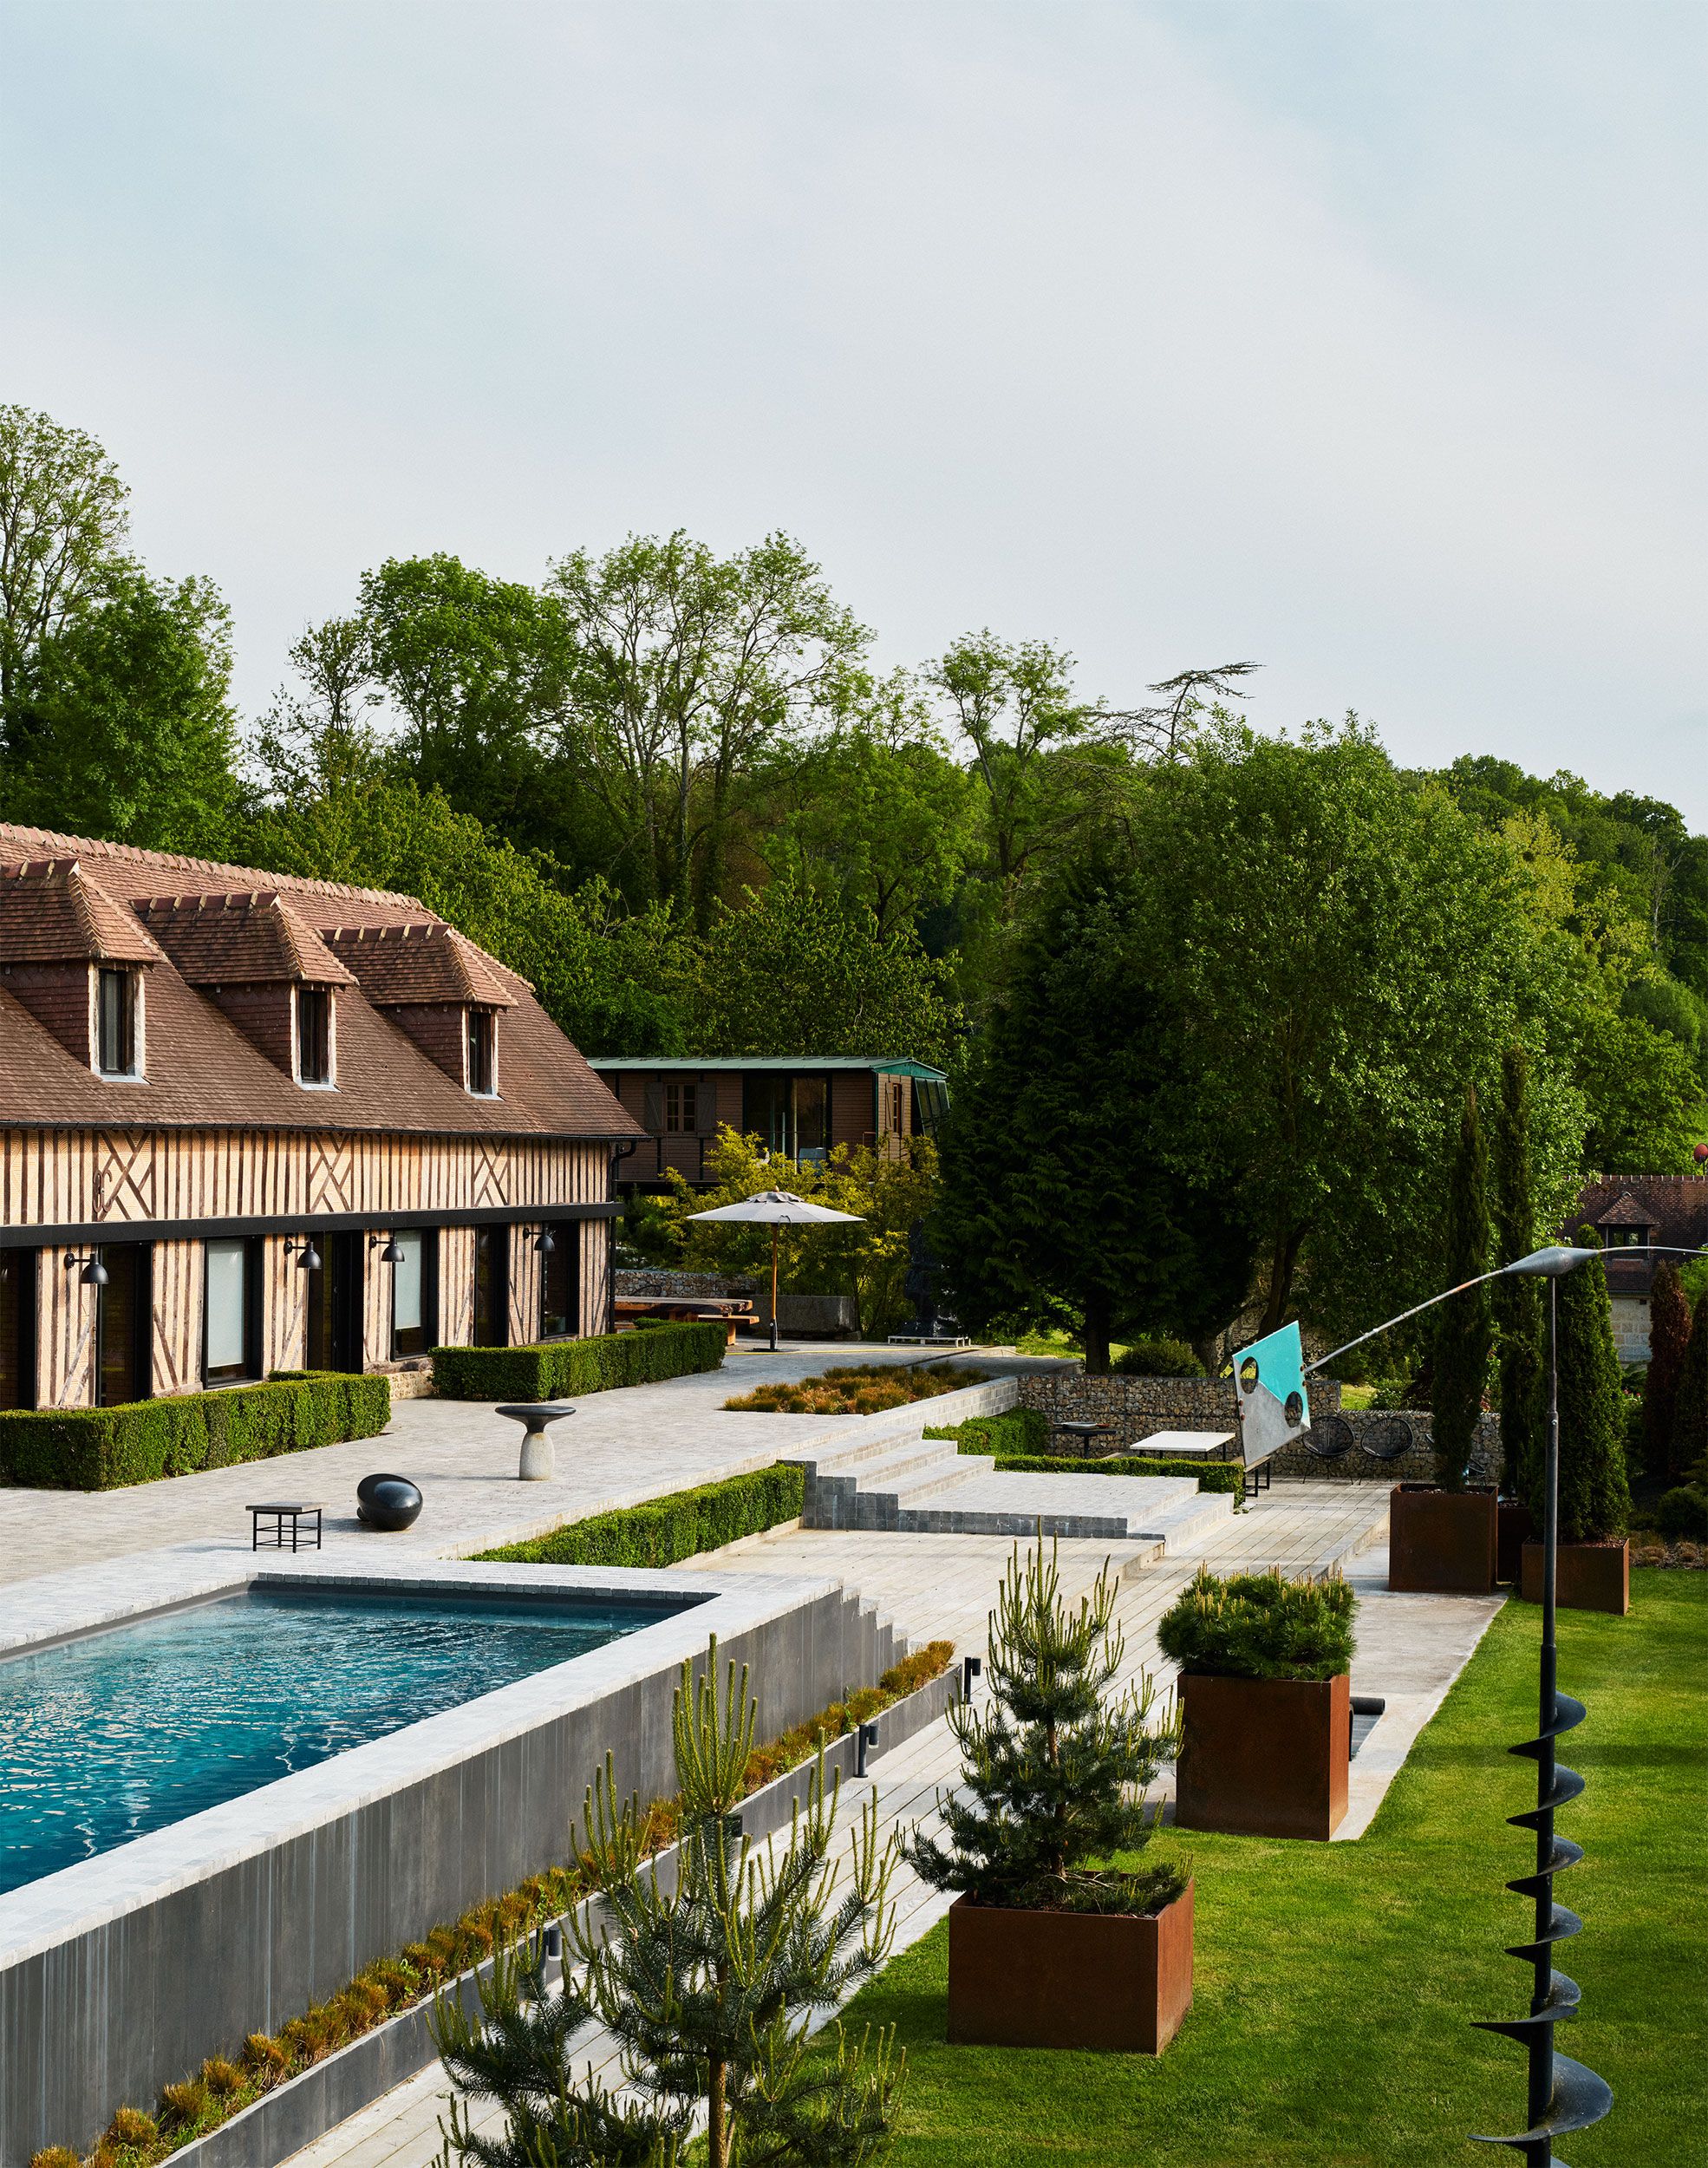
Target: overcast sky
1364,340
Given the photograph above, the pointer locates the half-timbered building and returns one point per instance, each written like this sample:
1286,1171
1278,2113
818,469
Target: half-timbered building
250,1123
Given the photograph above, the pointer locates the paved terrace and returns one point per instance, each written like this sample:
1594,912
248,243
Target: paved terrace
617,1449
1410,1649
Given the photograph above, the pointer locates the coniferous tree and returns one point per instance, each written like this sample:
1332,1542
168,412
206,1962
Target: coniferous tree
1689,1417
1595,1494
1669,1337
707,1988
1516,1304
1464,1336
1055,1769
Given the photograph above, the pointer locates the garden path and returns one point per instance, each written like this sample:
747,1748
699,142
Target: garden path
1410,1649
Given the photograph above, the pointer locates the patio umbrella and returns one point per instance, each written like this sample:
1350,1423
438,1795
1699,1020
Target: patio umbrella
778,1209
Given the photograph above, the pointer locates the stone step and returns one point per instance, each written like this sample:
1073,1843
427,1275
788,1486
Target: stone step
1117,1509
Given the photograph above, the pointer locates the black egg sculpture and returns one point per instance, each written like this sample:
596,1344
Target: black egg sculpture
387,1501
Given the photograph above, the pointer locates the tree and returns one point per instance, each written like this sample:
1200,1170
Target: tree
1464,1336
119,724
794,971
707,1988
63,529
1515,1300
1341,952
1054,1766
1669,1339
689,670
1689,1418
1058,1202
1595,1495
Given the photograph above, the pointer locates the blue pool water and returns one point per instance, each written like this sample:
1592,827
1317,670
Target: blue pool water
105,1738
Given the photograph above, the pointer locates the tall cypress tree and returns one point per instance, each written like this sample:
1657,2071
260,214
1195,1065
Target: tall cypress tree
1669,1337
1594,1496
1464,1336
1516,1304
1689,1414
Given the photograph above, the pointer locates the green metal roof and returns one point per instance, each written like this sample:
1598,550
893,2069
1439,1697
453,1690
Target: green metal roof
661,1065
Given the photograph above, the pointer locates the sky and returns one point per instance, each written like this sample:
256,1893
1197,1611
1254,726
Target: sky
1364,341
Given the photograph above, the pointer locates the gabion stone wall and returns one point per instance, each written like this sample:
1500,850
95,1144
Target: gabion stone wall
658,1286
1370,1444
1140,1406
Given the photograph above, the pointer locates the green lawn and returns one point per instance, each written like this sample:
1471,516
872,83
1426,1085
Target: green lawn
1334,1982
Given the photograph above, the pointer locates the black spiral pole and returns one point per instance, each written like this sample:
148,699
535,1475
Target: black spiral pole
1563,2095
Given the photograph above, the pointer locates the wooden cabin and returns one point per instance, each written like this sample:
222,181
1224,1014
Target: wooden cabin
797,1106
250,1123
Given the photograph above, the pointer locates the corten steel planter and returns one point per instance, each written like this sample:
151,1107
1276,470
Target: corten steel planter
1515,1526
1589,1576
1263,1757
1440,1542
1119,1982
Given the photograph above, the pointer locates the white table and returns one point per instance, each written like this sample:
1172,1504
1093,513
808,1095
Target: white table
1187,1445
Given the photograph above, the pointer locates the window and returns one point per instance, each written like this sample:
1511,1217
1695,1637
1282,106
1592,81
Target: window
314,1034
1626,1237
898,1106
17,1329
122,1318
230,1287
491,1287
115,1021
334,1304
681,1107
557,1285
414,1290
480,1062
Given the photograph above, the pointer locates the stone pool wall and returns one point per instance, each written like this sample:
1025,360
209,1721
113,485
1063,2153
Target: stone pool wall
124,1972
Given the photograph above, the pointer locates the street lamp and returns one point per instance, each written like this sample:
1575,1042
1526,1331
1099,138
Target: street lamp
1563,2095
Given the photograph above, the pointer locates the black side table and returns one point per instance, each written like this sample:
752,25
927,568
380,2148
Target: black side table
296,1513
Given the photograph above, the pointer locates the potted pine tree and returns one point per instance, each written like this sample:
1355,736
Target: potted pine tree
1265,1702
1515,1304
1051,1944
1595,1554
1442,1536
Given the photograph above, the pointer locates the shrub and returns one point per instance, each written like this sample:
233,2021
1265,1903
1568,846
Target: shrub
1020,1430
664,1530
1683,1514
1213,1475
1260,1626
859,1389
105,1448
1594,1497
1155,1356
559,1368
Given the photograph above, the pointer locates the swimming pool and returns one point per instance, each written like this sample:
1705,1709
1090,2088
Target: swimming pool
122,1731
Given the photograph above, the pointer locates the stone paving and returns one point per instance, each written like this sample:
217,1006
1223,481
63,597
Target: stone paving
618,1448
1410,1649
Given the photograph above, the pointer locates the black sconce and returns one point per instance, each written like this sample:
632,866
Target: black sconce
393,1252
545,1242
95,1273
308,1258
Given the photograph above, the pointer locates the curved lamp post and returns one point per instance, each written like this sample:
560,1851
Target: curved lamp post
1563,2095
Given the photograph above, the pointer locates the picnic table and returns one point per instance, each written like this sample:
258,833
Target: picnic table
1203,1445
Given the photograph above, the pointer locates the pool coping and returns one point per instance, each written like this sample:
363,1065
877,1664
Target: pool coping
91,1893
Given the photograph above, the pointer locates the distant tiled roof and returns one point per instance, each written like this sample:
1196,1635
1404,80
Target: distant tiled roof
52,912
1625,1212
248,938
421,962
204,1073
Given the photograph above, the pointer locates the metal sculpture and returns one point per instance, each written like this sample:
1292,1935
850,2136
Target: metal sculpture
1563,2095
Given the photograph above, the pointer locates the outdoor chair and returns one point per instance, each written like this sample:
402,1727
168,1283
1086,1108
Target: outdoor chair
1389,1439
1331,1439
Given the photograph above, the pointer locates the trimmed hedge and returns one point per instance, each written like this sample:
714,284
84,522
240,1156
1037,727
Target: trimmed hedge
554,1368
664,1530
1213,1475
105,1448
1020,1430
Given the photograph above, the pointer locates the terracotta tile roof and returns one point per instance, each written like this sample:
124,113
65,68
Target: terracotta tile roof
248,938
1625,1212
423,962
52,912
202,1071
1673,1206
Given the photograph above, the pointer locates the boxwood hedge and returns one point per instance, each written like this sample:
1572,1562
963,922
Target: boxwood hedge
664,1530
104,1448
557,1368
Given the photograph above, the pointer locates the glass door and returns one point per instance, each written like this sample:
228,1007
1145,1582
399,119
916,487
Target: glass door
123,1372
491,1287
17,1327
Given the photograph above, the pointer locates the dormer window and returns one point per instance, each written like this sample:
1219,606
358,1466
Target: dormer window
314,1034
117,1035
482,1068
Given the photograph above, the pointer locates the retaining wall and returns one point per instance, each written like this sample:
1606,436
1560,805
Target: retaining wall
1382,1428
1140,1406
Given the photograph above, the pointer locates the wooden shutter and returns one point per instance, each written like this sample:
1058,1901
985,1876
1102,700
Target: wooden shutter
652,1105
705,1104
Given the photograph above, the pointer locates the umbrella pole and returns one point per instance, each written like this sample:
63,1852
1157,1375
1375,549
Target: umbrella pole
773,1290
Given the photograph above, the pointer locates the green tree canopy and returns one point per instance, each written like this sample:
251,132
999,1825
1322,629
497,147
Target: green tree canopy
63,530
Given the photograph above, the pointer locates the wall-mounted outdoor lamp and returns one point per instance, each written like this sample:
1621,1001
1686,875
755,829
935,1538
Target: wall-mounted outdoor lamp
393,1252
95,1273
308,1258
545,1242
